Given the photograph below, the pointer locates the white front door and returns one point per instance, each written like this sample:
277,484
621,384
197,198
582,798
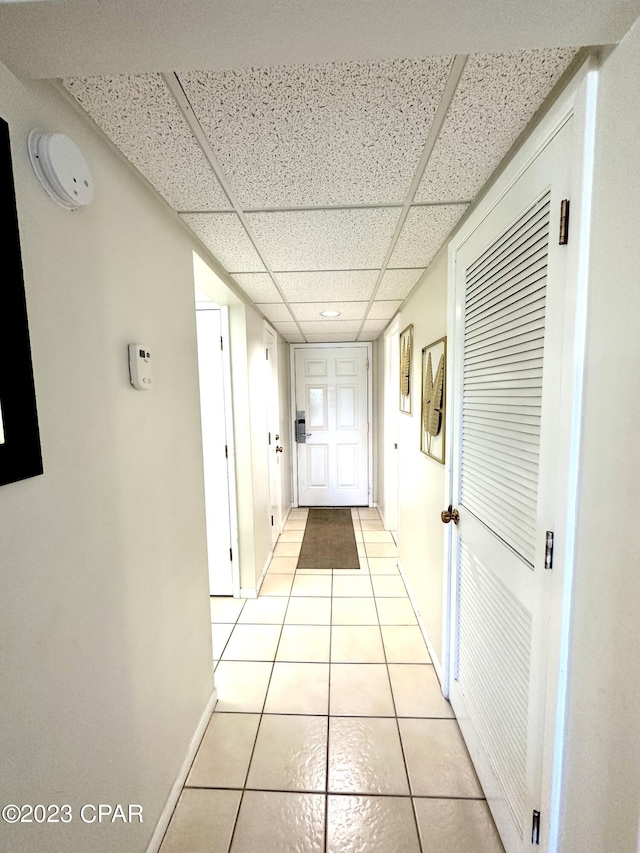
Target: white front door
214,451
510,292
332,428
273,432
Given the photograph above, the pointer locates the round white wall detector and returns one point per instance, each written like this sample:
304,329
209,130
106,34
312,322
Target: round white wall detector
60,168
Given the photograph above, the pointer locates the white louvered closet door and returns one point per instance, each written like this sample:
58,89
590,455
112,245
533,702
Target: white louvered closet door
509,284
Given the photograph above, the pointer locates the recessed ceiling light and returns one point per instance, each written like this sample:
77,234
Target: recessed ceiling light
329,313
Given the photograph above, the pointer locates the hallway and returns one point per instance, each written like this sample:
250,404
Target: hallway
329,658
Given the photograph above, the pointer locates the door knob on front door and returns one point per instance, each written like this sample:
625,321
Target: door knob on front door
279,450
450,514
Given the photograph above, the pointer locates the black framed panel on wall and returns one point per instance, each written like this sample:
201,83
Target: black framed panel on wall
20,454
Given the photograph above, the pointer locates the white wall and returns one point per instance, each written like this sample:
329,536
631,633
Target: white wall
105,649
602,784
284,390
422,479
378,424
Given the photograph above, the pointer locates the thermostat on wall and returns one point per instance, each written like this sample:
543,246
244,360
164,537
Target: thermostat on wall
140,367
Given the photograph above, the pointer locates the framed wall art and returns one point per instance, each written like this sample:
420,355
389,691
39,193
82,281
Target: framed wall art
434,391
406,356
20,455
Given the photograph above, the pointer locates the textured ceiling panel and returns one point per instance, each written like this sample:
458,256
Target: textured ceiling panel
287,329
330,327
139,114
331,338
277,313
369,336
342,133
258,286
384,310
324,239
374,325
309,311
224,235
396,284
496,98
293,338
349,285
423,233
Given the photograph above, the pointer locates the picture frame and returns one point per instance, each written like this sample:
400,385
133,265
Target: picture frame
20,452
434,400
406,362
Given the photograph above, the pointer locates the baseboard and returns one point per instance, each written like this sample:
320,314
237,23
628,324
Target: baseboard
434,658
286,516
178,785
250,592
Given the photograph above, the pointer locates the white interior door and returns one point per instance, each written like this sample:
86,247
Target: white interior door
214,451
273,433
509,300
331,402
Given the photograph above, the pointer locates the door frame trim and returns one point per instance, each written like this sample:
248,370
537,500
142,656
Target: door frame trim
294,444
579,102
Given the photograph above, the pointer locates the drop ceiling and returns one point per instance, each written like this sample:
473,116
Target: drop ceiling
324,187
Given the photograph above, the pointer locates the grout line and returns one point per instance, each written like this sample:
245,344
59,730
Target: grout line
334,793
330,207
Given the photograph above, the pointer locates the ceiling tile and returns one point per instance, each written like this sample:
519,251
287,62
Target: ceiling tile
397,284
275,312
344,285
310,311
258,286
375,325
294,338
331,327
139,114
331,338
383,310
324,239
424,231
340,133
224,235
368,336
495,100
287,328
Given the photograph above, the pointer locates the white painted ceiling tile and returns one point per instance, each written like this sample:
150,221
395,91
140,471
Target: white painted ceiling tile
286,328
258,286
310,311
276,312
293,338
383,309
139,114
375,325
331,338
324,239
424,231
330,326
368,336
224,235
340,133
344,285
496,98
397,284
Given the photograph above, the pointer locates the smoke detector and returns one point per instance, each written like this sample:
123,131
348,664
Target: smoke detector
61,168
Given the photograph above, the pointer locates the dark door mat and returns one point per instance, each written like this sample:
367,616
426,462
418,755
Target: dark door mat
329,541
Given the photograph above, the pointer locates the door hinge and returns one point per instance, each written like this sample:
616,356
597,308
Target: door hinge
564,222
548,550
535,827
226,451
266,354
221,343
269,438
272,521
367,364
231,554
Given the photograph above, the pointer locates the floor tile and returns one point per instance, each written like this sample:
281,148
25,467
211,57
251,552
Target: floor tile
312,585
396,611
365,756
242,685
354,611
225,608
276,585
220,636
291,536
202,822
356,644
377,536
271,822
450,826
351,587
295,524
369,513
383,566
381,549
437,759
388,586
371,524
360,690
308,611
252,642
372,824
417,692
360,549
267,610
224,754
325,572
282,565
404,644
358,535
290,754
304,643
297,514
287,549
298,688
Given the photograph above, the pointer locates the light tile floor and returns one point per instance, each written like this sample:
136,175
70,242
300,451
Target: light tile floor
331,734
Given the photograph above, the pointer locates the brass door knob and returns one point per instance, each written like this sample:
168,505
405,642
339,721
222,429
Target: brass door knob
279,449
450,514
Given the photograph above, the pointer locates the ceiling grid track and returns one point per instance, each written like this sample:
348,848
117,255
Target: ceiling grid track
311,208
172,82
457,67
